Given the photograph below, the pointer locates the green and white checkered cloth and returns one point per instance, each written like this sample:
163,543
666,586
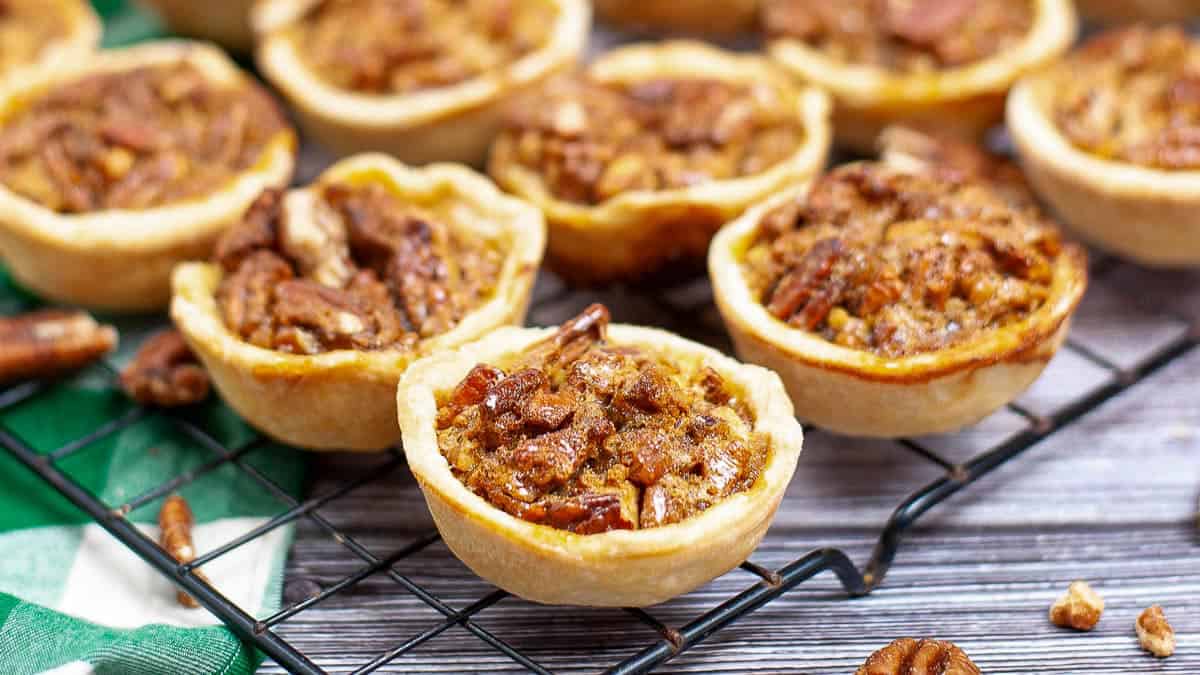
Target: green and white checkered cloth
73,600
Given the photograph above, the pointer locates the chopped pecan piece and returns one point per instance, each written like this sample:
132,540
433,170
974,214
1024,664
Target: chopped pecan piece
605,439
134,139
164,372
904,35
1080,608
903,262
347,267
1154,633
398,46
51,341
1133,94
590,141
907,656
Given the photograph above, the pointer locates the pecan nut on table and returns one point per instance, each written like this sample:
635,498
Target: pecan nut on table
164,372
51,341
919,657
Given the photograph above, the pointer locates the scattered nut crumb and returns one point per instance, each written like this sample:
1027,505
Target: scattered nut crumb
1080,608
1154,633
164,372
907,656
175,536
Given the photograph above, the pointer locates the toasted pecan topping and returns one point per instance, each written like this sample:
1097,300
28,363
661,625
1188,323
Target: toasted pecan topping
907,148
27,27
1133,94
591,142
587,437
134,139
901,263
51,341
919,657
397,46
903,35
356,269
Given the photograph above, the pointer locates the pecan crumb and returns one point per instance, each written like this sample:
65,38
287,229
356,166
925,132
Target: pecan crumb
164,372
907,656
1080,608
1154,633
51,341
175,522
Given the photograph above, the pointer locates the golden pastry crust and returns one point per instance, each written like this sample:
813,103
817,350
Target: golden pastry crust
79,36
1148,214
729,17
619,568
121,260
863,392
1125,11
637,232
965,100
343,399
226,22
455,123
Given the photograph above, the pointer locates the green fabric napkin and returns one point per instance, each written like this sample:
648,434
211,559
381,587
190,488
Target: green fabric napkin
73,600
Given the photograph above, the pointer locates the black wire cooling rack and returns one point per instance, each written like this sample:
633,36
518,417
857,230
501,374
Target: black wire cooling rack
671,642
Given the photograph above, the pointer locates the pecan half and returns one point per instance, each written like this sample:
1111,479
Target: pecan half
51,341
165,373
919,657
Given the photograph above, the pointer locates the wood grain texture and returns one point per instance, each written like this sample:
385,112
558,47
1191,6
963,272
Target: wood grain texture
1111,499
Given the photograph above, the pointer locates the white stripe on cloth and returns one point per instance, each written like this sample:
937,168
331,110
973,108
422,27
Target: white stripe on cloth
73,668
109,585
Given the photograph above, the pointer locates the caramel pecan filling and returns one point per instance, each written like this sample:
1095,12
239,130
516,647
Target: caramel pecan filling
356,269
134,139
909,36
588,437
591,142
1133,94
901,263
26,28
398,46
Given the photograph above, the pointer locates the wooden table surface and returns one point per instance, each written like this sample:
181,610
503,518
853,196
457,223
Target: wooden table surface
1111,498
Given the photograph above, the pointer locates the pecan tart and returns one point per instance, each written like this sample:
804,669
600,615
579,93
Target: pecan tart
424,80
597,465
319,298
114,170
45,33
897,303
728,17
1110,137
941,63
639,161
225,22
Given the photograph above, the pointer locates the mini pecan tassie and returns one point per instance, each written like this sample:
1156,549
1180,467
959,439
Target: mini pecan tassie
1111,139
626,457
897,302
944,63
113,170
45,33
342,283
639,160
589,438
422,79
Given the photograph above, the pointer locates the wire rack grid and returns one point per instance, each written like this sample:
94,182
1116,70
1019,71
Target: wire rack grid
683,308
